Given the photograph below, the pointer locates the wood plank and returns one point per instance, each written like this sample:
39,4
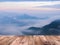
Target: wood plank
30,40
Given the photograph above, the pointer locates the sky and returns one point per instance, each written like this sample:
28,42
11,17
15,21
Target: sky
37,8
48,6
29,0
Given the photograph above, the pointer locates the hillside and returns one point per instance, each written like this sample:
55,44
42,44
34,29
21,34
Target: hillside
51,29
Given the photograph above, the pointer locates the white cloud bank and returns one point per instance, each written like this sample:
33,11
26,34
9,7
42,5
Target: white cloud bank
24,5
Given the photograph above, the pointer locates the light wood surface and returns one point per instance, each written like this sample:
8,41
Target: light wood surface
30,40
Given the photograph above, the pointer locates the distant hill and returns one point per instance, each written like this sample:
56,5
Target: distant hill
20,16
33,31
51,29
20,20
9,20
34,28
25,16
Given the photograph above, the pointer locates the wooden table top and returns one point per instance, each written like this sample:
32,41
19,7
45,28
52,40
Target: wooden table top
30,40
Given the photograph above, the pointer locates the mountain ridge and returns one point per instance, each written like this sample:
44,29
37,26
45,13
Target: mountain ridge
51,29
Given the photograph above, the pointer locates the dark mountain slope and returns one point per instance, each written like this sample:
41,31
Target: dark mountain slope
51,29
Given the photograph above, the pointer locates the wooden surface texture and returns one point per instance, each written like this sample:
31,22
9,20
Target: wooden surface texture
30,40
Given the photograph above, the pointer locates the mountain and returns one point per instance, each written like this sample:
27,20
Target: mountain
51,29
20,16
19,20
25,16
33,31
9,20
34,28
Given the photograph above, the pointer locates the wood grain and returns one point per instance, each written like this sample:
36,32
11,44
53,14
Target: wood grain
30,40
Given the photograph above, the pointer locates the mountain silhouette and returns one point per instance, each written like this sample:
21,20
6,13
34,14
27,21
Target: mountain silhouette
25,16
34,28
18,20
51,29
9,20
33,31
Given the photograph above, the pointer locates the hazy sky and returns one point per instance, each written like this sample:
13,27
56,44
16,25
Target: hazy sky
32,8
30,5
29,0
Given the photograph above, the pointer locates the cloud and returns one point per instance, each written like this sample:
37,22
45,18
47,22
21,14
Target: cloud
50,6
23,6
54,4
29,0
